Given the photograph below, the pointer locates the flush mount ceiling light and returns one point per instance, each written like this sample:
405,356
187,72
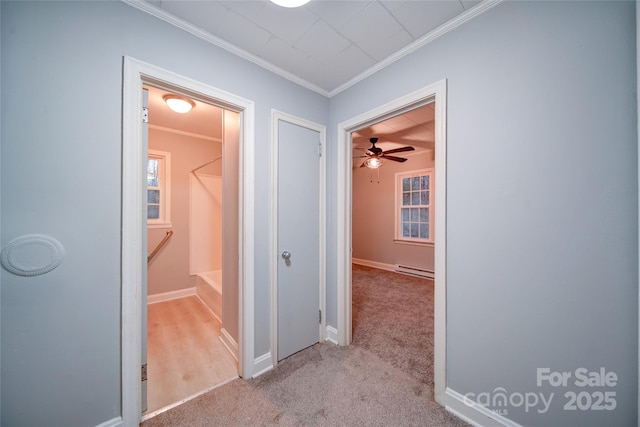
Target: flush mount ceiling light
179,104
290,3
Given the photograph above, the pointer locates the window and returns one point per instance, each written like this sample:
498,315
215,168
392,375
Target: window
414,211
158,189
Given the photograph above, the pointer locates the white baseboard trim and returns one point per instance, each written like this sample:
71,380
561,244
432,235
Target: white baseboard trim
331,335
167,296
262,364
229,343
472,413
113,422
374,264
213,313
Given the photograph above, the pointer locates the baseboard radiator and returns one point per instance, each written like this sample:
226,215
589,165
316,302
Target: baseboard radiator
415,271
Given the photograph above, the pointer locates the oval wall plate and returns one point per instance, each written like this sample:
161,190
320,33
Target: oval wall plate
32,255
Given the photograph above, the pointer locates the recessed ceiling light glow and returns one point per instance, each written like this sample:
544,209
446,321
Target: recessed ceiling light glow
290,3
178,103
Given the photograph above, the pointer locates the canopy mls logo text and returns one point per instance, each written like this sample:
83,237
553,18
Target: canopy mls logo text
580,395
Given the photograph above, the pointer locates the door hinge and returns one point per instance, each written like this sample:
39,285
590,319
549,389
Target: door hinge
145,115
319,316
319,149
143,372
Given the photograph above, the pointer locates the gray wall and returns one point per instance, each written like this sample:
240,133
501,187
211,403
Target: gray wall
61,175
542,197
541,107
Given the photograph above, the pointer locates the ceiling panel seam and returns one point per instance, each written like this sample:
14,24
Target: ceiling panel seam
242,53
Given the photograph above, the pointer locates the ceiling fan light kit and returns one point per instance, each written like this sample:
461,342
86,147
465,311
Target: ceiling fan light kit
375,155
373,162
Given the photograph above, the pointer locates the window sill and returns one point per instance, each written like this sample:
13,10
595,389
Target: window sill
413,243
159,225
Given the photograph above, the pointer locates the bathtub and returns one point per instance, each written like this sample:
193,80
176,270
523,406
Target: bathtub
209,290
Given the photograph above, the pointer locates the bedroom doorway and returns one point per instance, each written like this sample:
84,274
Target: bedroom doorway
435,93
392,240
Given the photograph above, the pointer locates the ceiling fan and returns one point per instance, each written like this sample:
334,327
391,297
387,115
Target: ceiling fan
374,155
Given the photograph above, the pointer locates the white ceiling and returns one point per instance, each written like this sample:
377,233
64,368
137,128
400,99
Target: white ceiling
414,128
325,45
306,43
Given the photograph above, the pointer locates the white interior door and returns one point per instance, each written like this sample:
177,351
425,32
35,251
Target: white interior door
298,238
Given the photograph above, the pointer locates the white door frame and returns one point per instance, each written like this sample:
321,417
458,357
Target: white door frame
273,232
436,92
133,258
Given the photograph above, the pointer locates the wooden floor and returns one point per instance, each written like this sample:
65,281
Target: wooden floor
185,355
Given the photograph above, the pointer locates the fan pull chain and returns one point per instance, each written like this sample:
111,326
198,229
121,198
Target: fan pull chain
378,172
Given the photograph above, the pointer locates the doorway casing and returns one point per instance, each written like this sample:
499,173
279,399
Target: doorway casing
133,256
433,93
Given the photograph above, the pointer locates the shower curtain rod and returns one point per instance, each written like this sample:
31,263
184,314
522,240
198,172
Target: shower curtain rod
208,163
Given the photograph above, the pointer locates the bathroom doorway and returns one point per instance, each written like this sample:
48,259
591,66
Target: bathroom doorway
238,224
191,214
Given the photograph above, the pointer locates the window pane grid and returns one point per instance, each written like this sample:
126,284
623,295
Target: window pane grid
158,183
414,208
153,169
153,189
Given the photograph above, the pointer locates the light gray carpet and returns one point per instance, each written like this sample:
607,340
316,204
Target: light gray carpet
385,378
392,317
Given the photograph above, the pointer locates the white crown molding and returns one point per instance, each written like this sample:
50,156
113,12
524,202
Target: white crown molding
198,32
469,14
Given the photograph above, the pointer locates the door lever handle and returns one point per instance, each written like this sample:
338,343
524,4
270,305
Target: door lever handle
286,255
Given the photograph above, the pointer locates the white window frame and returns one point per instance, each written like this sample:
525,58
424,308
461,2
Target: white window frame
398,237
164,181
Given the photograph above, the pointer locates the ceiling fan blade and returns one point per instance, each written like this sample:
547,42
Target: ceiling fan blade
395,159
399,150
363,165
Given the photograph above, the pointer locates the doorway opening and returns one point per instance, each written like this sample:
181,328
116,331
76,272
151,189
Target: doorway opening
392,239
434,94
237,280
191,188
